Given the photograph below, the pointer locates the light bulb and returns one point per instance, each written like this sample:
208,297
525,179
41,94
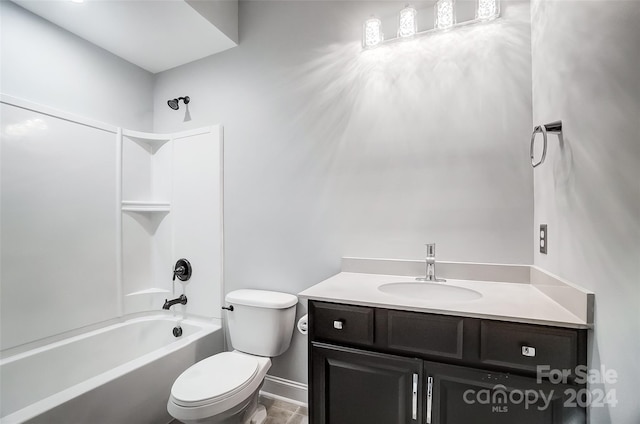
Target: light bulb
487,9
372,35
445,14
408,23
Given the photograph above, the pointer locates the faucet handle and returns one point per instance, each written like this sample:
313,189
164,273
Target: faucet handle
431,250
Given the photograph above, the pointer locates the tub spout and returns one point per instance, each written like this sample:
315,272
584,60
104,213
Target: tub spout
169,303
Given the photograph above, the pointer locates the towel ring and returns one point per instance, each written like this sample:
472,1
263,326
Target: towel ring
554,128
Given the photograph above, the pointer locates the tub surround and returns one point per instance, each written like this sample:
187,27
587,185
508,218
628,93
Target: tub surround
516,293
141,208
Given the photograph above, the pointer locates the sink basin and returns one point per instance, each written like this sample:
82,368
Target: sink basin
430,291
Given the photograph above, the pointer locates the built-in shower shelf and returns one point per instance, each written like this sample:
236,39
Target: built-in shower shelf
146,207
152,141
153,290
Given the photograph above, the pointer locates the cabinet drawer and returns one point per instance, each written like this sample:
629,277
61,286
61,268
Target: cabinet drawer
432,335
524,347
342,323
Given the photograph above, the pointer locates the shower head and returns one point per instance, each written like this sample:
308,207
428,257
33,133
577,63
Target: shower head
173,103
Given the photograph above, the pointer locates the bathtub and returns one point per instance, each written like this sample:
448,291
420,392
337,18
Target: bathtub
121,373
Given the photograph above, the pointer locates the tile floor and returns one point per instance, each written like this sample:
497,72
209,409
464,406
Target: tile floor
281,412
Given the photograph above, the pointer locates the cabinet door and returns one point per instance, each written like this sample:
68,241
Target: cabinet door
350,386
460,395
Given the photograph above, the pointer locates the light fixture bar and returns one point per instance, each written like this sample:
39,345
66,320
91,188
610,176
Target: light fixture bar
445,18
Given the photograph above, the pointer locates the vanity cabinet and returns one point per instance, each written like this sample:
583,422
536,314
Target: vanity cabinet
359,387
382,366
463,395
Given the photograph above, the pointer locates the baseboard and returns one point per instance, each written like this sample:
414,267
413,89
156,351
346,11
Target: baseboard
288,390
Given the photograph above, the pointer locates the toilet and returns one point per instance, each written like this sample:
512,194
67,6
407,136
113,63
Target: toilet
224,388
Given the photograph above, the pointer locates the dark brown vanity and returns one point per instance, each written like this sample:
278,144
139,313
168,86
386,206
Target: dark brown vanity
370,365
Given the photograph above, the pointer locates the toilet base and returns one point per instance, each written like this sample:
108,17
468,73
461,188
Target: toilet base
259,415
247,412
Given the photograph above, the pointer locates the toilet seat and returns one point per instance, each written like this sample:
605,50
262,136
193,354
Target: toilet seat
214,379
199,409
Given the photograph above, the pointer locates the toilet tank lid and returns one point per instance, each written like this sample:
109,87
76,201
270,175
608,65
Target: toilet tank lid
261,298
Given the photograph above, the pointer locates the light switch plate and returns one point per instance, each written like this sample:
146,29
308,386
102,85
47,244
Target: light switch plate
543,238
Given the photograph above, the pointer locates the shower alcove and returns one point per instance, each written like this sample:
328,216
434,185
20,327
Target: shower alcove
94,217
170,197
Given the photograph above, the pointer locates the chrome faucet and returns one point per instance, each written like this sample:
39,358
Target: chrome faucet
169,303
430,274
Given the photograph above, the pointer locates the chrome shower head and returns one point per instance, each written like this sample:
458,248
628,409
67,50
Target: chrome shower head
173,103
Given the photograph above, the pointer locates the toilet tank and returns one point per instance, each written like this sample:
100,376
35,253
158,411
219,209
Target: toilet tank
261,322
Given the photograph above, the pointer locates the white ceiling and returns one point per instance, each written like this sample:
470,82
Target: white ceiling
154,34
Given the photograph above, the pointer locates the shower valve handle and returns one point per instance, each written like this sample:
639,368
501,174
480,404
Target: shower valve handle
178,271
182,270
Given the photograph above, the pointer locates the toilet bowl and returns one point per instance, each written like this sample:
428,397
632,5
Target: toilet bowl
224,388
217,388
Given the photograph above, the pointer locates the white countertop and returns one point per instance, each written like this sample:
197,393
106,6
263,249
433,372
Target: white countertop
517,302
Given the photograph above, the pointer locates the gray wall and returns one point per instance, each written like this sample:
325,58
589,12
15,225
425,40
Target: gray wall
585,71
331,151
45,64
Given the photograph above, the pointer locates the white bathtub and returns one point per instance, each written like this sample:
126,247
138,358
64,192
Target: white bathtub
118,374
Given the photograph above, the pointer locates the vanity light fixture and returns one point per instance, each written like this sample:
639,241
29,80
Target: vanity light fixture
445,14
445,18
372,33
487,9
408,24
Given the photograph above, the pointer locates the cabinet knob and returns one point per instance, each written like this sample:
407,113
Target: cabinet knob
338,324
528,351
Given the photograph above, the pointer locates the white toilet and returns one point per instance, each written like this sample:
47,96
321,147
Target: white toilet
224,388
